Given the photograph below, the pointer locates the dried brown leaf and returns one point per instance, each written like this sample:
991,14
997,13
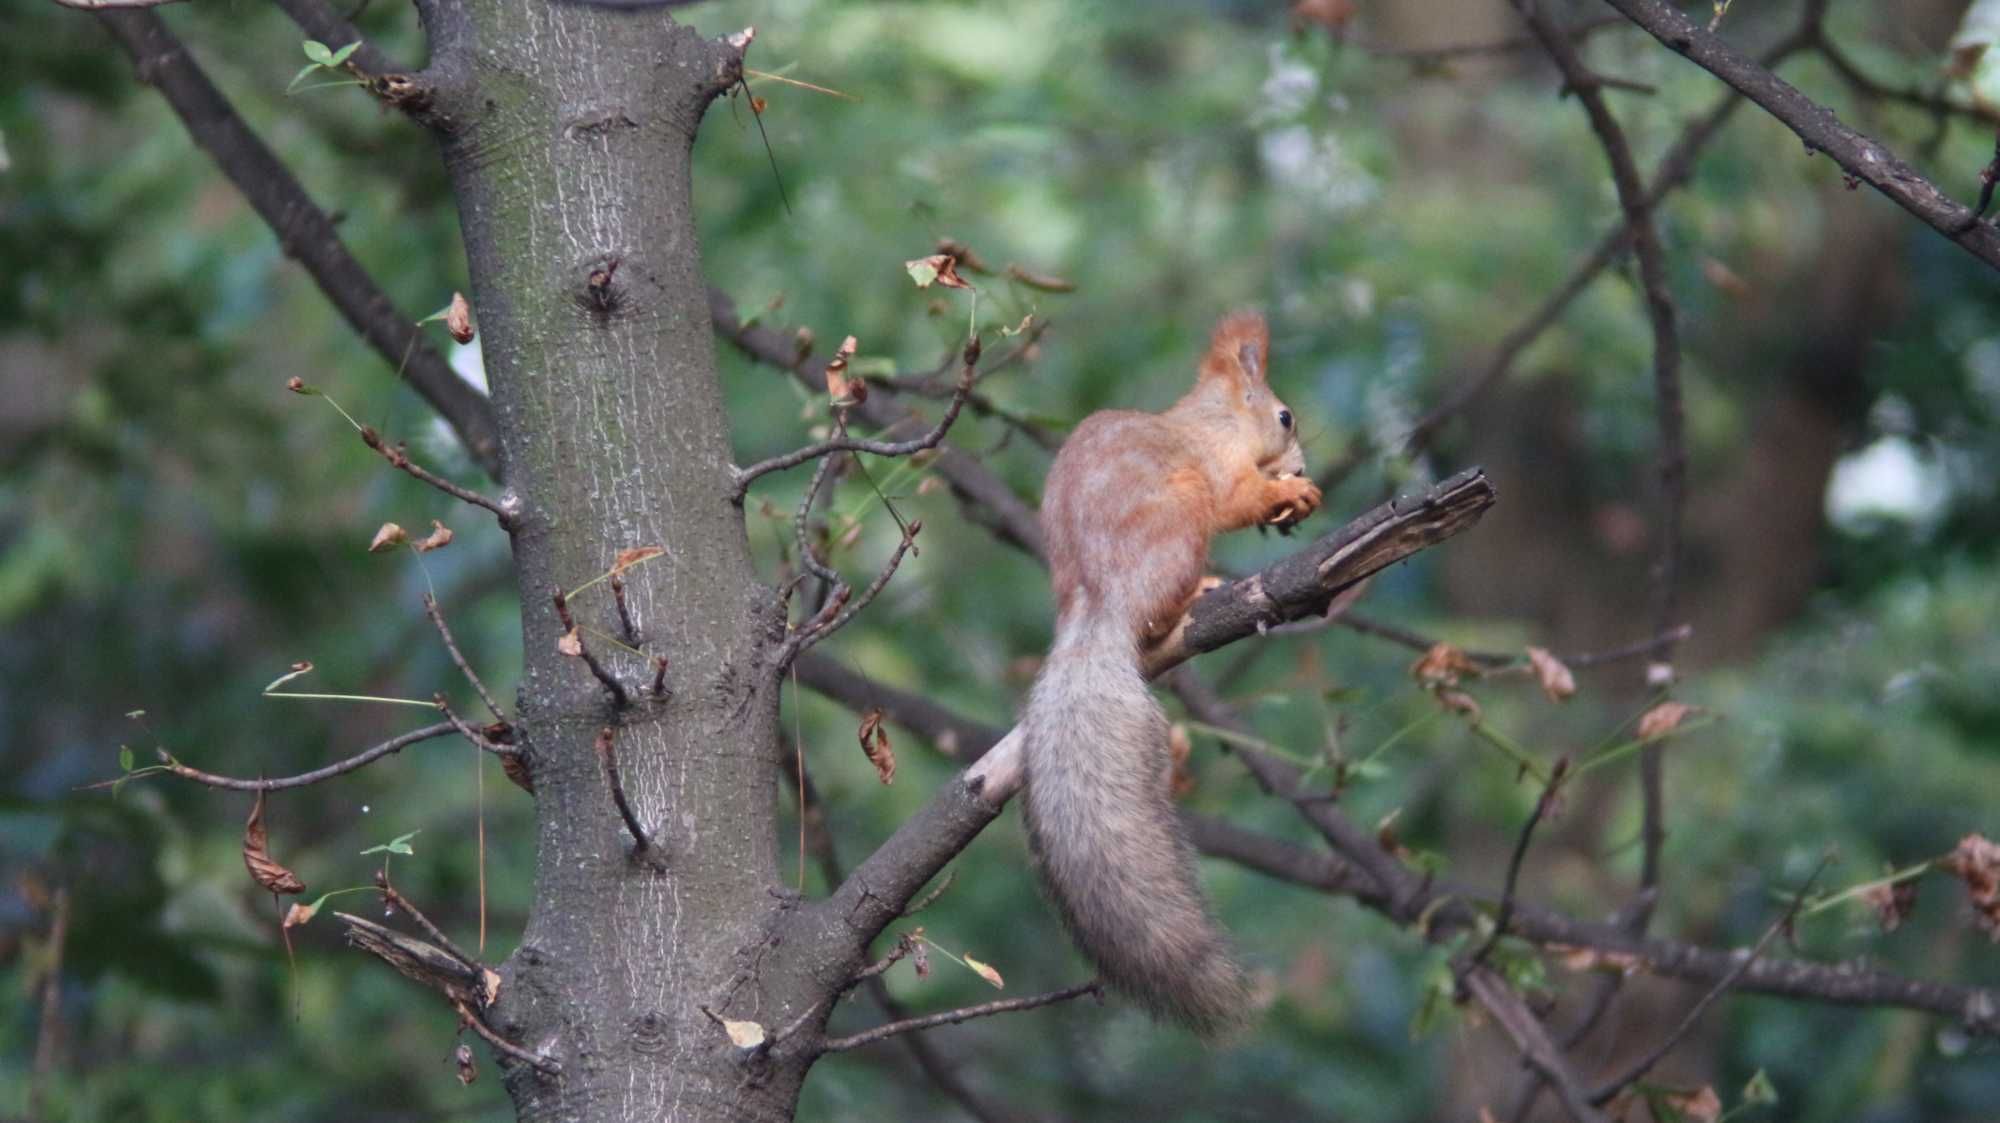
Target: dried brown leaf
1976,862
743,1035
628,558
1701,1105
489,983
458,318
516,767
468,1068
1554,676
265,870
875,744
937,269
571,643
1893,902
388,537
1664,719
920,957
1443,665
986,971
843,390
299,914
1459,702
295,384
437,539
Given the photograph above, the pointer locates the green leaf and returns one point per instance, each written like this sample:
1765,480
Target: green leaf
125,757
922,272
318,52
398,845
300,76
1760,1090
340,55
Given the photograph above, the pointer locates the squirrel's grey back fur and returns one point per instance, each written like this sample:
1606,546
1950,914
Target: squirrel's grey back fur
1105,836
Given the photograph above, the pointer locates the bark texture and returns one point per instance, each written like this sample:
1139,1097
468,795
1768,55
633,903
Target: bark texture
568,130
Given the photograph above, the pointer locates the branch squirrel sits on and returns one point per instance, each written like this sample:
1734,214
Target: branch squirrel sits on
1128,510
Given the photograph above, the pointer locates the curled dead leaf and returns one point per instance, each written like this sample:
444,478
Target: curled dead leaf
437,539
1893,902
571,643
1459,702
468,1068
757,105
937,269
1663,719
920,956
875,744
628,558
516,767
458,318
1443,665
986,971
843,390
489,983
1701,1105
963,254
1976,862
388,537
299,914
1555,678
743,1035
296,384
265,870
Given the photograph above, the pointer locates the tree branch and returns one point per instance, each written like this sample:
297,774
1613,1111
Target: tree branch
953,1017
985,497
1819,127
303,779
305,232
1297,586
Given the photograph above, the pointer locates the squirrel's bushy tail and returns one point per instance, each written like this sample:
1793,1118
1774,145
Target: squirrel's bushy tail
1104,834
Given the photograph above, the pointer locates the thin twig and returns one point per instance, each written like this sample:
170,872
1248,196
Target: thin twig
1430,56
1639,1068
544,1065
1532,1038
338,768
624,610
49,1032
806,638
437,617
396,900
607,754
746,476
305,232
1666,388
1505,913
479,740
953,1017
619,698
399,458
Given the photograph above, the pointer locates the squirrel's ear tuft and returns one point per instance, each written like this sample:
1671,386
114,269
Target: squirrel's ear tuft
1238,348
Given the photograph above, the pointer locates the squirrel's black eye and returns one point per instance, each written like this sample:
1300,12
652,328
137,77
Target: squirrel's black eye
1285,418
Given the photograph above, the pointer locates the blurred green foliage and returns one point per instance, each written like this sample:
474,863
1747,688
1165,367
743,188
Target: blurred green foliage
175,530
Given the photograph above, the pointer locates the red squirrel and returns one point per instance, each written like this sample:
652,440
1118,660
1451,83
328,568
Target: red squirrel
1128,510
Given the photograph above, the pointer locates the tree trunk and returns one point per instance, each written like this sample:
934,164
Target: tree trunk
568,132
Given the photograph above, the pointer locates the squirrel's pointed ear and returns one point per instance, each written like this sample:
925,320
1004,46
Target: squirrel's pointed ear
1238,348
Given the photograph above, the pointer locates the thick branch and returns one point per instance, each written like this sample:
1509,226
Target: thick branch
305,232
1819,127
1297,586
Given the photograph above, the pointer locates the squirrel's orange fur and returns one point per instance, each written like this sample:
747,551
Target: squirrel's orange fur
1128,510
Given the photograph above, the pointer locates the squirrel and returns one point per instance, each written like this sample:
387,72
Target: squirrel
1128,509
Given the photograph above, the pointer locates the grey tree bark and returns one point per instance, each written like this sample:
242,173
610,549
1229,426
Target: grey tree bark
568,131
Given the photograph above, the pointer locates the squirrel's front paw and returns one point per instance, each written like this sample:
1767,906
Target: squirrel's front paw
1290,500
